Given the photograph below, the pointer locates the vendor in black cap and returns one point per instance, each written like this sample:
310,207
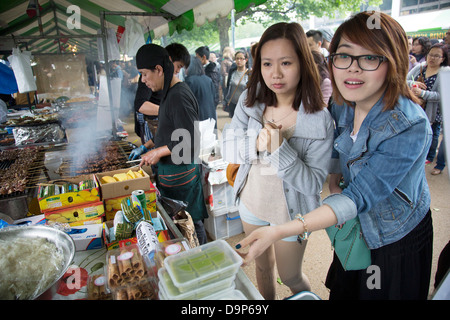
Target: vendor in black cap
175,150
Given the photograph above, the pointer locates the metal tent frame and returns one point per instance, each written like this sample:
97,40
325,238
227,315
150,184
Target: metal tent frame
103,35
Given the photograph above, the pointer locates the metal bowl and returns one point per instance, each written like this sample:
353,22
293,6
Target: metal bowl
62,241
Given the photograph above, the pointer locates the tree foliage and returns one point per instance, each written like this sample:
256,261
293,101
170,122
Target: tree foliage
266,14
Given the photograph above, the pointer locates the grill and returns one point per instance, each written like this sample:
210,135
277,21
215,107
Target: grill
106,156
20,169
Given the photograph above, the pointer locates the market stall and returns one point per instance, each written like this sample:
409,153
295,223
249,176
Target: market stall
64,168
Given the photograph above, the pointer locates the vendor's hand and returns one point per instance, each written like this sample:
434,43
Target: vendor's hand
259,241
151,158
135,153
269,138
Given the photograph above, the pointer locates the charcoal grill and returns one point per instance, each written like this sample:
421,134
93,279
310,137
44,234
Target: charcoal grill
14,197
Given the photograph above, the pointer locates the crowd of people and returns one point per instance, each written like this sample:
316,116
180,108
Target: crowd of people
360,106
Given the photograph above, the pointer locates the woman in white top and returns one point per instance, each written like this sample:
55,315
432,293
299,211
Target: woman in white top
281,135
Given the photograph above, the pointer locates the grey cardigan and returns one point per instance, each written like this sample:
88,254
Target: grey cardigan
433,97
302,162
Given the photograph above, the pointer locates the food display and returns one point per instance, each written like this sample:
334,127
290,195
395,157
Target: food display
15,165
128,276
171,292
169,248
33,120
27,267
67,193
203,265
106,156
129,175
97,289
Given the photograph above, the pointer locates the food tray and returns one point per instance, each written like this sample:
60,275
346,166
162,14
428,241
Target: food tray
171,292
203,265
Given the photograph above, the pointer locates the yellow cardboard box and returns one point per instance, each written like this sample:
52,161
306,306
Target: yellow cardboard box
112,205
70,199
75,214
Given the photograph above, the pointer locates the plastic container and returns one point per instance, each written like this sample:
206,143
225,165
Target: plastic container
227,295
224,226
171,292
169,248
141,290
128,277
97,288
211,262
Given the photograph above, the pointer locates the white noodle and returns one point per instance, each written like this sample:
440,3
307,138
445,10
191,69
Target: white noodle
28,266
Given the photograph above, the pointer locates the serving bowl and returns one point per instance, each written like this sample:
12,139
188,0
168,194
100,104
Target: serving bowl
61,240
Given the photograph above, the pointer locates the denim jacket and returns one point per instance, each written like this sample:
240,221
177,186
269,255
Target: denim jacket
302,162
383,171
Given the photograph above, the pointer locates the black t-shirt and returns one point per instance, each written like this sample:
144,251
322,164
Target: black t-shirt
143,94
179,110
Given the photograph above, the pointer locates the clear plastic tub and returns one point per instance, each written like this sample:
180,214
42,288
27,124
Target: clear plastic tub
171,292
97,288
127,275
227,295
140,290
211,262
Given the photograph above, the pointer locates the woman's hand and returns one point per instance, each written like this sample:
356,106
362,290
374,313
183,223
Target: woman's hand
259,240
269,138
417,91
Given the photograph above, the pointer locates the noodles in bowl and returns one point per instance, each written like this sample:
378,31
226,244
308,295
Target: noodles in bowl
32,260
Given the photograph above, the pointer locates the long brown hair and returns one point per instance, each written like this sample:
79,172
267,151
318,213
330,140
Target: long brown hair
384,36
308,88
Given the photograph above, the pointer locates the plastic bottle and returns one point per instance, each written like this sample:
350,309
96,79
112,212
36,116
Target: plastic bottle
147,239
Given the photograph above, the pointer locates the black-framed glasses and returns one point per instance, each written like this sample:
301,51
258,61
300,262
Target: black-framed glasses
367,62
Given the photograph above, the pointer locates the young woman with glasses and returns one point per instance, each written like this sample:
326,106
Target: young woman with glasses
382,139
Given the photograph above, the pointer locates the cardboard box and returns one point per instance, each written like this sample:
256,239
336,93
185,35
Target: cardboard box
87,237
160,228
98,220
76,214
113,205
122,188
70,199
31,221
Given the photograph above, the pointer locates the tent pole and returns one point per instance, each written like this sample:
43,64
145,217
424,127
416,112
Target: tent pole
108,80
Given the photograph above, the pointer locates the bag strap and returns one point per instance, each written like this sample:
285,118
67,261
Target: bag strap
232,95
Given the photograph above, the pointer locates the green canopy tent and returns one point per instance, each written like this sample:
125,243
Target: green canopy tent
49,30
50,27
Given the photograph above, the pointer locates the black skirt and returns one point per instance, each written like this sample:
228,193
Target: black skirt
399,271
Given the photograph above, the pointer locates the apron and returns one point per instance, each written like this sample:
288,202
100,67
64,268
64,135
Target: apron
182,182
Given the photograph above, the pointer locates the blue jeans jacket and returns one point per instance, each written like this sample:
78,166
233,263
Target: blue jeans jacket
383,171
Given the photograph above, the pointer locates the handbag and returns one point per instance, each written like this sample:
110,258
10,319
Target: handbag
420,78
232,95
231,172
349,245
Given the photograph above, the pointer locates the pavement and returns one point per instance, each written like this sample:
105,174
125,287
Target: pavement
319,254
